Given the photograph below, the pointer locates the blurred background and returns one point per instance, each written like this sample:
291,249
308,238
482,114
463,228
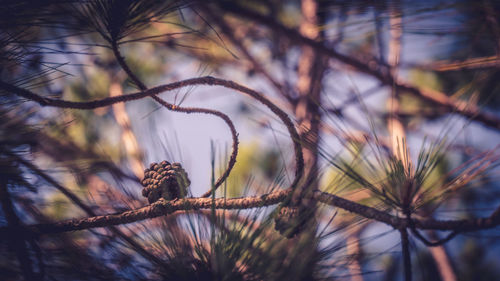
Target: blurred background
363,81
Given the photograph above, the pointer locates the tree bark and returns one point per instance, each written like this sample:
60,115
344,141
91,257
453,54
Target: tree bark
310,74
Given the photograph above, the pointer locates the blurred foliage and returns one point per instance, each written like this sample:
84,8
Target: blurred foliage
241,247
474,263
254,164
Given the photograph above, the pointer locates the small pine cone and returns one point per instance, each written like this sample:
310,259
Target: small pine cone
165,180
292,220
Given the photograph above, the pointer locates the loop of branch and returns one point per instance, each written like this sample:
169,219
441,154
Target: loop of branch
225,118
207,80
188,110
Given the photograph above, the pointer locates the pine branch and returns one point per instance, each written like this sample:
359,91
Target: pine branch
207,80
163,207
188,110
157,209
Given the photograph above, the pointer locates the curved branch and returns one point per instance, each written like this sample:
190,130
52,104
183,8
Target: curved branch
188,110
436,243
225,118
125,67
207,80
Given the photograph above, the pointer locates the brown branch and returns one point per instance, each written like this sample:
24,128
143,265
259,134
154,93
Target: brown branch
207,80
294,35
395,127
125,67
157,209
163,207
188,110
464,108
310,72
465,225
359,209
443,261
354,252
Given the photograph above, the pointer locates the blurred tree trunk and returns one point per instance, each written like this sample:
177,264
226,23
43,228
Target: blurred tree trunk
397,130
134,153
311,68
354,252
394,124
443,262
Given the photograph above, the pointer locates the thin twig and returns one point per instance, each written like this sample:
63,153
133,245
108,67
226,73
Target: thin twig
232,158
436,243
188,110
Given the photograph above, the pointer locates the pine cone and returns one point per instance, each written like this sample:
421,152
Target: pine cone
165,180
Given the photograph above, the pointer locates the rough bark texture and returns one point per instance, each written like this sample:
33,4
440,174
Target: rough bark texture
163,207
307,112
310,75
